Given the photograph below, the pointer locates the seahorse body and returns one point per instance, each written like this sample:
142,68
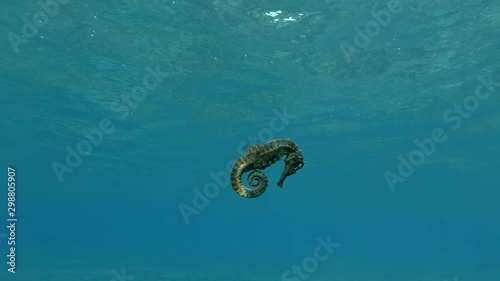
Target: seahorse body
259,157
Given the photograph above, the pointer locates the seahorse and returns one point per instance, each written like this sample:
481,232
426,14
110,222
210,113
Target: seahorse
259,157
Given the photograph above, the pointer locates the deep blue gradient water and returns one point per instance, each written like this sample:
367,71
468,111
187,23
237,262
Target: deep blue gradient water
121,119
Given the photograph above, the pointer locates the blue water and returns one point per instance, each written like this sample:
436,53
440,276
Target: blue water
114,188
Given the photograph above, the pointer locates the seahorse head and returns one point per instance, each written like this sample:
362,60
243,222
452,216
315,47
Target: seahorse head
293,163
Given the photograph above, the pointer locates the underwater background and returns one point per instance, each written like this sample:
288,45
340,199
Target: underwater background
121,119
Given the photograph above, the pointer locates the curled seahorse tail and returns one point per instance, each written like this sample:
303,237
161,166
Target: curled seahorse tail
256,179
